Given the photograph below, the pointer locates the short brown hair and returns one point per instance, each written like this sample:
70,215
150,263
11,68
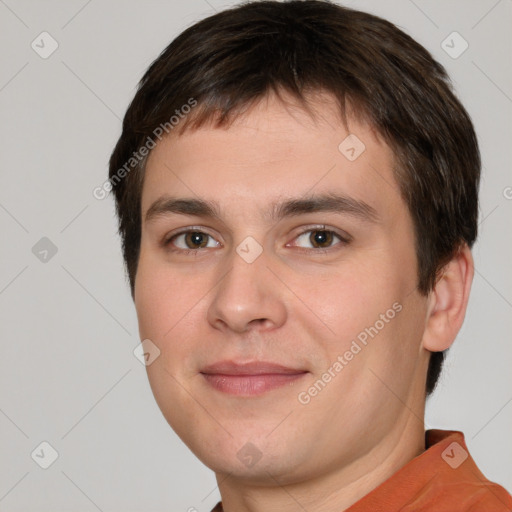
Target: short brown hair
236,57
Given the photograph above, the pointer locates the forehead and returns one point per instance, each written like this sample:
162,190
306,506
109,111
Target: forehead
275,150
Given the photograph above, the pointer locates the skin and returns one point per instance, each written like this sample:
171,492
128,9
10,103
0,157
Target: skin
294,305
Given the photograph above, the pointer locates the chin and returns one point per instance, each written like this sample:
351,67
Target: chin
257,459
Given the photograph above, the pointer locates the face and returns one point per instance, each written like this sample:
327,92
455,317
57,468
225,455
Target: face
277,277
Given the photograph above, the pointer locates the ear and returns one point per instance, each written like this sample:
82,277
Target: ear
448,302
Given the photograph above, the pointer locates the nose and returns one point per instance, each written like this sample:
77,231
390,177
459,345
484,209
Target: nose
249,296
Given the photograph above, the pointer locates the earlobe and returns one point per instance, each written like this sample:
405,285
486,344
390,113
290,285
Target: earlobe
448,302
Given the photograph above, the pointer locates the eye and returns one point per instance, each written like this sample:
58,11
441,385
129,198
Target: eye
190,241
321,238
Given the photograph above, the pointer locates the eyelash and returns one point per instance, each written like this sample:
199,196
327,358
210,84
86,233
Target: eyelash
344,240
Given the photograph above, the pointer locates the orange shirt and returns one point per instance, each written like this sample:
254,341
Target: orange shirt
444,478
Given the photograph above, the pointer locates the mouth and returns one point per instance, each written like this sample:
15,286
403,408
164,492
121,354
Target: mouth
250,379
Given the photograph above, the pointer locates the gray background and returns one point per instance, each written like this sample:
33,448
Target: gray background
68,373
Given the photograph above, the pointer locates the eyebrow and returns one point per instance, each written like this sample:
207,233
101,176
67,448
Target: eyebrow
336,203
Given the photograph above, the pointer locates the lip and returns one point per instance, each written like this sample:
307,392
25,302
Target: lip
250,378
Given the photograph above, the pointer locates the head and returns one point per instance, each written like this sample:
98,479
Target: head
296,104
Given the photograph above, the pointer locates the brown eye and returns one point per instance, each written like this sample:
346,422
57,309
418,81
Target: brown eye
190,240
320,238
196,239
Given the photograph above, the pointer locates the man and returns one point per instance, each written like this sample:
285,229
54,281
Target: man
297,192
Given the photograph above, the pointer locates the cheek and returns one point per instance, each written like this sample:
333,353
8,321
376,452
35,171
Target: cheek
352,299
374,320
147,288
155,297
170,306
